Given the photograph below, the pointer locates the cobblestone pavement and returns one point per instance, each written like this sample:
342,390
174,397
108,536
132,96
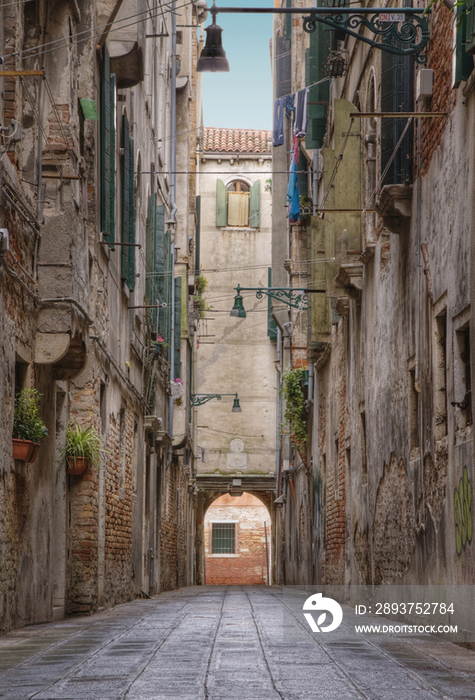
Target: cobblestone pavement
224,643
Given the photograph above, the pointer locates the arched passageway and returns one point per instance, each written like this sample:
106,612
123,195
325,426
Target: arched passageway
237,541
249,512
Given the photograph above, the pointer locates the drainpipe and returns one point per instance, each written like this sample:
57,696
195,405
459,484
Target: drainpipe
172,222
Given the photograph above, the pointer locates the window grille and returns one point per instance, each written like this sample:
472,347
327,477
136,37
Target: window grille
223,540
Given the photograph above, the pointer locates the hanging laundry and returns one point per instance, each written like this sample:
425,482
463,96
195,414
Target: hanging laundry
300,123
293,196
295,150
278,133
289,105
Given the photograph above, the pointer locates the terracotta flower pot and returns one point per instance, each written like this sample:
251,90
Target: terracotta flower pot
23,450
77,466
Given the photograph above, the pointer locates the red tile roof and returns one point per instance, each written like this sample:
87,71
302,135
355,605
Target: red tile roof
236,140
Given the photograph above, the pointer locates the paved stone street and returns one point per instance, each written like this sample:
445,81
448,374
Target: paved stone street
224,643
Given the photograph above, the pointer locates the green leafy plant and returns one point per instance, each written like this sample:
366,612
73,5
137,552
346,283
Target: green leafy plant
27,423
305,201
295,405
82,442
199,302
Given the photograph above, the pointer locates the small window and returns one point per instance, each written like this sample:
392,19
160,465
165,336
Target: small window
238,204
223,540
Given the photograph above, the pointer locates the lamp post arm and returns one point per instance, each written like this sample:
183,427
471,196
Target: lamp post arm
200,399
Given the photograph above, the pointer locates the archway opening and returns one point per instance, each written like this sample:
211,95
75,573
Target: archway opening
237,540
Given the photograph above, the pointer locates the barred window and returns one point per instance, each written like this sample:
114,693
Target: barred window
223,539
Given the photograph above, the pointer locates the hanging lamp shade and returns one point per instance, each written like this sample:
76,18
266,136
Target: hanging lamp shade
213,57
236,407
238,308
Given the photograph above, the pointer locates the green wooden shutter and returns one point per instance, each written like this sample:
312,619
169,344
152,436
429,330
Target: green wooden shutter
397,95
159,265
111,237
271,325
318,95
150,228
255,205
463,62
131,270
177,343
166,291
221,204
470,26
105,144
125,222
288,22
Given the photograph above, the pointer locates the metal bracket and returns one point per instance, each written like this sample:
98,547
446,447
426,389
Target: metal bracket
403,33
297,298
200,399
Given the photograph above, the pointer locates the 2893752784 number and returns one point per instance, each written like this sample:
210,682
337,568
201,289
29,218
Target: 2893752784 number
417,608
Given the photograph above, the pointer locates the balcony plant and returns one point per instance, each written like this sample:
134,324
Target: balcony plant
83,447
28,427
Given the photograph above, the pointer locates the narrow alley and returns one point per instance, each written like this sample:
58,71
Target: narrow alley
224,643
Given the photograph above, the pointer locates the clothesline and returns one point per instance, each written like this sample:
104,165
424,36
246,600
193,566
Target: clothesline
323,80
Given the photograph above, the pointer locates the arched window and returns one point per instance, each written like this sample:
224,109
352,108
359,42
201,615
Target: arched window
238,204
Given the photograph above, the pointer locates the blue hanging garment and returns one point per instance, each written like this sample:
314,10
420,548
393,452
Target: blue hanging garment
278,133
293,196
289,105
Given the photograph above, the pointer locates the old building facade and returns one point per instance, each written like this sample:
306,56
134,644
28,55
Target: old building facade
98,111
235,450
382,490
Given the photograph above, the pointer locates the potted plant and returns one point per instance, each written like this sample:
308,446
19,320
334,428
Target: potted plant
28,427
83,447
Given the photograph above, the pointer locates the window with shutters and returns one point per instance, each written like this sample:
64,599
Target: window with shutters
127,207
397,95
318,95
158,286
238,204
469,26
462,62
107,124
177,340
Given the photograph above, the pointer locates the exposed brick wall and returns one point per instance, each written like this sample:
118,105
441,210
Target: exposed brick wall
172,529
249,567
443,98
14,505
336,496
118,516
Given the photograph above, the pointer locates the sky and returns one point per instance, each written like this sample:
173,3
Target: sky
242,98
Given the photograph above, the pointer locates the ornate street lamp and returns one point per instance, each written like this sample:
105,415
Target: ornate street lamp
292,296
200,399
